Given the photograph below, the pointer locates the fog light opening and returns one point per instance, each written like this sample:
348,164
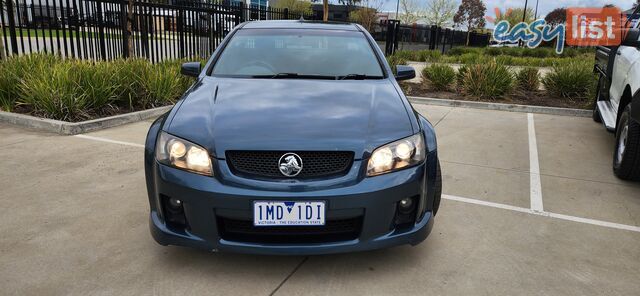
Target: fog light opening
174,213
405,206
175,203
406,212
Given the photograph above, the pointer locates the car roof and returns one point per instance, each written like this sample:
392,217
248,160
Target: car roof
300,24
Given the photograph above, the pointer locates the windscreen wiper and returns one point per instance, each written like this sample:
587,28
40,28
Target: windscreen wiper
295,76
358,77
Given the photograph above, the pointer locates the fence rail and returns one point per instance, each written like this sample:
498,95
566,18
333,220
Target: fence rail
109,29
417,37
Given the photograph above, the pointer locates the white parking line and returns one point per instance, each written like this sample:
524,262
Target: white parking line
534,168
109,141
531,211
544,214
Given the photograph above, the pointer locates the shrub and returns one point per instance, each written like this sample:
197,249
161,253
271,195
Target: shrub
13,70
394,60
407,55
429,55
440,76
97,83
464,50
536,52
528,79
487,81
163,85
493,51
456,51
470,58
508,60
51,92
462,72
574,80
73,90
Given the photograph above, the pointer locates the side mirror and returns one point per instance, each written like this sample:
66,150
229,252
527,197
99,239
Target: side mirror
191,69
632,38
405,72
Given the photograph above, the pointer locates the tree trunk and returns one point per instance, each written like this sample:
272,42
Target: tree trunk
468,32
325,10
129,28
2,56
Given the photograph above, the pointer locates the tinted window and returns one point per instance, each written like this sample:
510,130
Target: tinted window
256,52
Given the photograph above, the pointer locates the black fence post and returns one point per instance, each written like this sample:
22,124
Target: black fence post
240,13
180,29
125,33
286,13
445,36
392,37
396,37
12,27
103,46
143,27
432,37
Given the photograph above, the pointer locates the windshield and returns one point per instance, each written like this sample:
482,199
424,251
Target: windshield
298,53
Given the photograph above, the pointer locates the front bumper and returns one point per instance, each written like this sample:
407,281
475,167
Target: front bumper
206,200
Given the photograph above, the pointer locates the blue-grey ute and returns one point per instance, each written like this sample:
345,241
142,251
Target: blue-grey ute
295,139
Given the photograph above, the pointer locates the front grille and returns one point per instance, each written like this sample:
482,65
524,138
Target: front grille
315,164
332,231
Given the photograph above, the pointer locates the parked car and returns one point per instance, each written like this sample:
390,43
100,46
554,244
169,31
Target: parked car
494,43
618,101
295,139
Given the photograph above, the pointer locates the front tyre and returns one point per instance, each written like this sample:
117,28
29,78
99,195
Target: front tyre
626,157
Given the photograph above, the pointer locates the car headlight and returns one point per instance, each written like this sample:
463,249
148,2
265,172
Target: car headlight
182,154
397,155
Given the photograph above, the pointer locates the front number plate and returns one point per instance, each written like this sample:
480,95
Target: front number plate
288,213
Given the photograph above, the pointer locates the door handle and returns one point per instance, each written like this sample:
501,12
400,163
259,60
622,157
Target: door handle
618,53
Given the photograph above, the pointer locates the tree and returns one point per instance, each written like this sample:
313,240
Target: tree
294,5
557,16
349,4
470,14
440,12
325,10
514,16
366,15
410,11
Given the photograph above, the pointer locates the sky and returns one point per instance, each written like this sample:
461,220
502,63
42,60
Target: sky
544,6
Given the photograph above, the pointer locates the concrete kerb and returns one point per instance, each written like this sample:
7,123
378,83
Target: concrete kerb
502,107
74,128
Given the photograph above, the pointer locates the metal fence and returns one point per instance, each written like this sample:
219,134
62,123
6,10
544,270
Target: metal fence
109,29
396,36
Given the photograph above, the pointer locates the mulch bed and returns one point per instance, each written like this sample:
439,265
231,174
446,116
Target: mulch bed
519,97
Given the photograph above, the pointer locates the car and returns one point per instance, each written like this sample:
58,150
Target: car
617,101
494,43
295,139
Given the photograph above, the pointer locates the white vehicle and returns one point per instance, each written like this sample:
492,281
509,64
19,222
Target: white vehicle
494,43
618,101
